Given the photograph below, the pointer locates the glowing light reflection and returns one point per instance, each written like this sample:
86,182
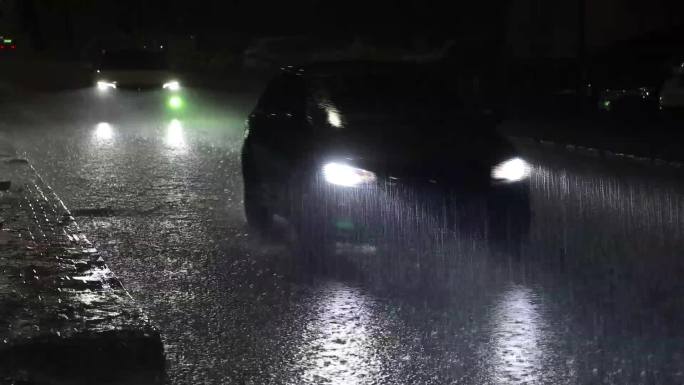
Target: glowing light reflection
103,132
518,334
175,136
339,348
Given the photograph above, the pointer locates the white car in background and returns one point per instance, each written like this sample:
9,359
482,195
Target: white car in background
672,93
135,70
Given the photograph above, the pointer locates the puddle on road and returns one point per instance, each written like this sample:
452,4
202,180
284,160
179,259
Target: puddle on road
521,348
339,346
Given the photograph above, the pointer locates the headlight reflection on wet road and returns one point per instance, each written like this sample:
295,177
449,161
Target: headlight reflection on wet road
518,333
103,132
175,135
339,343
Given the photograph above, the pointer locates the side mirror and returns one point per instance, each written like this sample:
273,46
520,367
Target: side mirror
678,69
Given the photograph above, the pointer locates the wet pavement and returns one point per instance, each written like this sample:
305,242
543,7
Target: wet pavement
64,312
597,296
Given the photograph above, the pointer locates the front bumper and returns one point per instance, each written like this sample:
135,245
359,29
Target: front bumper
390,211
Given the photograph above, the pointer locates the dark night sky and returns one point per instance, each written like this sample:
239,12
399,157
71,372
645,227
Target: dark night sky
528,26
391,19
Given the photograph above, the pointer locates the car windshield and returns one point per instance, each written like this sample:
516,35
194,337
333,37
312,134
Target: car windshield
402,94
404,104
134,60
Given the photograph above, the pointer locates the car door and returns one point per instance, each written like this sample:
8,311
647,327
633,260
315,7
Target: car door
277,131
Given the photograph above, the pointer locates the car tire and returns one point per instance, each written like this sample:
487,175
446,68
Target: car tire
314,245
259,216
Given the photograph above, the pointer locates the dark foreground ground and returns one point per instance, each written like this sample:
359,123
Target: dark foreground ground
596,298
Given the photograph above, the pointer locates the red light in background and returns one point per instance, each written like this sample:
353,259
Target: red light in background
13,46
2,47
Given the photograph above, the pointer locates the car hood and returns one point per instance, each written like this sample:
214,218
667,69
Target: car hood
125,78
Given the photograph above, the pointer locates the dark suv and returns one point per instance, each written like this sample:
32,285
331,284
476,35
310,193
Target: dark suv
362,151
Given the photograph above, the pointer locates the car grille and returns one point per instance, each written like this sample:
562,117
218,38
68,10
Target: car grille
139,87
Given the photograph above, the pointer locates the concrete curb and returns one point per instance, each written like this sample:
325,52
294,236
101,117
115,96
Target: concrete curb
66,317
597,152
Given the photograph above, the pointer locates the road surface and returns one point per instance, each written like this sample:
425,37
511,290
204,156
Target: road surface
597,297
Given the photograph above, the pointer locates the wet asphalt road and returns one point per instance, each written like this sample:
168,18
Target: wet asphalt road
597,297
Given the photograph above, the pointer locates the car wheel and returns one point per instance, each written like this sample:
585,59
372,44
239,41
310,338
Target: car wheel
314,245
258,214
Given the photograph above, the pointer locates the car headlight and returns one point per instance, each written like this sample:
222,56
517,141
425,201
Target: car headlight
172,85
512,170
345,175
105,85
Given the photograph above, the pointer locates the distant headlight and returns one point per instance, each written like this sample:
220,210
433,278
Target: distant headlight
646,92
104,85
512,170
173,85
344,175
175,102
